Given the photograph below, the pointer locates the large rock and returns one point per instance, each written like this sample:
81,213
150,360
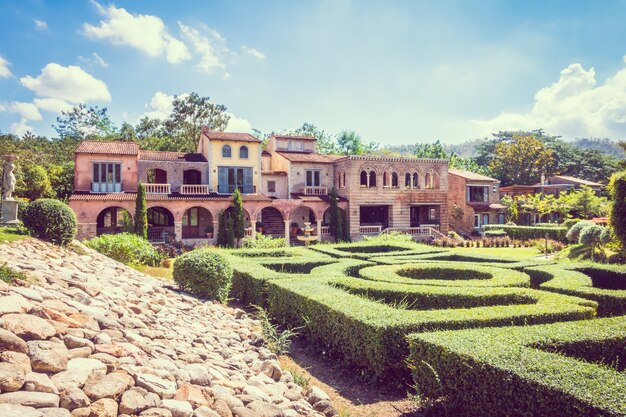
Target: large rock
47,356
73,398
193,395
271,369
133,401
105,407
28,327
17,358
12,377
15,410
79,370
204,412
37,382
108,386
314,394
14,304
55,412
156,412
178,408
9,341
30,399
162,387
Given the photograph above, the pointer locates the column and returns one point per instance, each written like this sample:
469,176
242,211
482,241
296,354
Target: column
178,231
216,225
253,225
319,230
287,243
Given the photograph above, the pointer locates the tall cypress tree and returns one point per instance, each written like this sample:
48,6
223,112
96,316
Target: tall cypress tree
141,213
238,216
617,187
222,239
230,233
335,226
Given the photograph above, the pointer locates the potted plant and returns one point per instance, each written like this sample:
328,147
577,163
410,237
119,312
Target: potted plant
294,228
209,232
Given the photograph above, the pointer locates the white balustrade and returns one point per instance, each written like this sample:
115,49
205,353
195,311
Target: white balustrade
157,188
194,189
315,191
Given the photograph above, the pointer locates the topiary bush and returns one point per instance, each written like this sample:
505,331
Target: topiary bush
127,248
50,220
204,273
573,233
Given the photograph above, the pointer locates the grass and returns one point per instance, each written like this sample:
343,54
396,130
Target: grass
512,253
10,234
9,275
158,271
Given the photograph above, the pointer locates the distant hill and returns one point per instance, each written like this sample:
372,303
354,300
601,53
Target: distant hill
605,145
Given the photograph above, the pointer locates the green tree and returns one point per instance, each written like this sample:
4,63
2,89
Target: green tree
585,204
325,143
617,189
238,217
222,238
345,227
335,226
141,212
62,180
521,160
350,143
84,122
34,183
189,114
230,233
436,150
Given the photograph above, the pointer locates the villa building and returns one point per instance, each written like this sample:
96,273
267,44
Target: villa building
284,184
554,185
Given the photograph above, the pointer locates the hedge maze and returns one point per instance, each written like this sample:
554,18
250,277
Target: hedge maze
490,335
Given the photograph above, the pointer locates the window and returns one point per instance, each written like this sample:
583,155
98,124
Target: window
271,186
476,221
107,177
432,214
485,218
158,216
416,183
295,145
407,180
500,218
344,178
429,180
372,179
226,151
243,152
231,178
363,179
313,178
394,180
477,194
190,218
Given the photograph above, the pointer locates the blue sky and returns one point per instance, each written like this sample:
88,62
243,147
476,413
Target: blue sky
396,72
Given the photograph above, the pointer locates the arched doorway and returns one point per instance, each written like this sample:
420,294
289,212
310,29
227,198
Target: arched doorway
272,222
298,217
192,177
113,220
197,223
160,225
157,176
246,219
326,220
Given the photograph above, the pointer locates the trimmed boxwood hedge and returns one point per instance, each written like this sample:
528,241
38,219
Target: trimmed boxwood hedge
543,371
205,273
604,284
530,232
367,249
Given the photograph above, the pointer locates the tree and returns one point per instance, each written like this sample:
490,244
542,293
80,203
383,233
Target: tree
436,150
335,226
230,233
622,163
325,143
512,208
521,160
585,204
350,143
141,212
33,183
238,217
617,189
222,238
62,180
84,122
591,237
189,114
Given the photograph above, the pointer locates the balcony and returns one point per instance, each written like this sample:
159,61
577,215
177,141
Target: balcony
106,187
194,189
370,230
230,188
157,188
315,191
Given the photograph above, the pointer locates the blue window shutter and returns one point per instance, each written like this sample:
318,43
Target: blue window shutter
247,180
222,180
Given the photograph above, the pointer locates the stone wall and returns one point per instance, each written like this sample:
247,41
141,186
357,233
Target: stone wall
175,170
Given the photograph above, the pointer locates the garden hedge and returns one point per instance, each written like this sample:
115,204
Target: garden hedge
204,272
127,248
561,369
530,232
367,249
50,220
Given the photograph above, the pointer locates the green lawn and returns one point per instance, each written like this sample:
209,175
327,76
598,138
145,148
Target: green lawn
9,234
158,271
512,253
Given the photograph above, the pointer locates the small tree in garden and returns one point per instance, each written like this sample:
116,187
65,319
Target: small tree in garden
617,188
239,227
222,239
230,232
591,237
345,227
335,226
141,213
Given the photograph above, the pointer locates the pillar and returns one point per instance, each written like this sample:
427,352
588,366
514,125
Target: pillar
216,225
287,242
178,231
253,225
319,230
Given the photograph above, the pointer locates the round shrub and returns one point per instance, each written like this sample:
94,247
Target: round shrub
574,232
570,222
606,236
127,248
204,273
50,220
591,235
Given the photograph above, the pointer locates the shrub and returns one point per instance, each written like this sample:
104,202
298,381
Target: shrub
591,236
128,248
261,241
570,222
141,212
617,188
205,273
529,232
9,275
50,220
495,233
573,233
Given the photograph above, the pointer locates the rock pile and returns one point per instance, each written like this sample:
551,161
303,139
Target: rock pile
93,338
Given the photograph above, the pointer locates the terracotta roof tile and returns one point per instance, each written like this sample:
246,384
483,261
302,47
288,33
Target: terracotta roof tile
130,196
232,136
294,137
108,147
471,175
577,180
306,157
171,156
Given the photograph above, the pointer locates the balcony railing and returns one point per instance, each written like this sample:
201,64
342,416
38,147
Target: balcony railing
417,231
315,191
370,230
248,231
106,187
230,188
325,230
157,188
194,189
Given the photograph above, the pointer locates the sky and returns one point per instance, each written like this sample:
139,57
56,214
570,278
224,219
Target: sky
397,72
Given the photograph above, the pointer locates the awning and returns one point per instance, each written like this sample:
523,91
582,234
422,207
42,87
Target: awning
496,206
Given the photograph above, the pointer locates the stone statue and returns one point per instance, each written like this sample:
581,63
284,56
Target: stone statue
8,179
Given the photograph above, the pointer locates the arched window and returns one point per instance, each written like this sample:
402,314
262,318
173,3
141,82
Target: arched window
394,180
407,180
372,179
243,152
385,183
429,180
343,176
363,179
416,183
159,216
226,151
435,182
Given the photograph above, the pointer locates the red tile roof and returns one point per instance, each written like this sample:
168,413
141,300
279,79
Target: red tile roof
130,196
471,175
232,136
307,157
171,156
108,147
576,180
294,137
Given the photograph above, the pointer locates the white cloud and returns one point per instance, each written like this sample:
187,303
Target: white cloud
93,59
71,84
574,106
40,24
4,68
253,52
209,50
52,105
161,105
20,128
28,111
144,32
238,124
